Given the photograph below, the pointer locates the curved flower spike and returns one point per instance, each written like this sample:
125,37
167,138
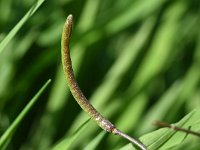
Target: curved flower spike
77,93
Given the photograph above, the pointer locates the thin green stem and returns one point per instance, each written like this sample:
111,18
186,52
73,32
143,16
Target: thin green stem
164,124
76,91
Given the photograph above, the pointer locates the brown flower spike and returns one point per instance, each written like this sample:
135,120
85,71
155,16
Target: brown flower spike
77,93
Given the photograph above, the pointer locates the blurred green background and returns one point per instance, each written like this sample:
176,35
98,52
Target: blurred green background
136,61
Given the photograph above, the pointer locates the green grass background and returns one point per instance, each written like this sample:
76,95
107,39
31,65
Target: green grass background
136,61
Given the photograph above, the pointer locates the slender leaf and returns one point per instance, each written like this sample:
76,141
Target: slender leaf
67,142
19,25
94,143
166,138
10,131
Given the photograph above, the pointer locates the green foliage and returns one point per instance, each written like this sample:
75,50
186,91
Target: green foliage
136,61
67,141
168,138
95,142
19,25
10,131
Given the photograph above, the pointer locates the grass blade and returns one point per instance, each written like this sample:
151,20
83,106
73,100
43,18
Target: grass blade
66,142
10,131
167,138
12,33
94,143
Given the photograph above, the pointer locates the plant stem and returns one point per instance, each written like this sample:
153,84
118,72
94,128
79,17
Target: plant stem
164,124
76,91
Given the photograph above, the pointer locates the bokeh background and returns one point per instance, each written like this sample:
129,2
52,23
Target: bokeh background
136,61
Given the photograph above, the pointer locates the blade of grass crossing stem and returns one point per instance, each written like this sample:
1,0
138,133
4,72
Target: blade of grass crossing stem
166,138
94,143
10,131
12,33
66,142
171,138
